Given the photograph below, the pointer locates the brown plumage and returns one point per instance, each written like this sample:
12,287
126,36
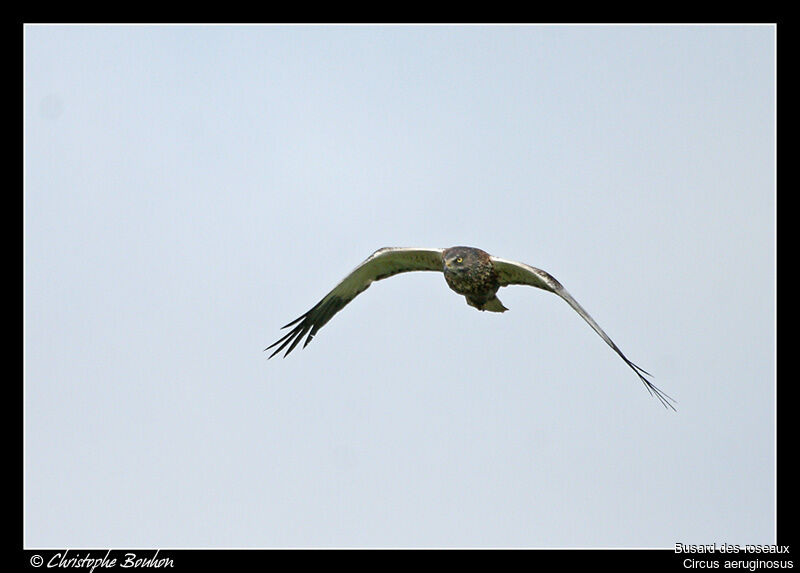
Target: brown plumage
470,272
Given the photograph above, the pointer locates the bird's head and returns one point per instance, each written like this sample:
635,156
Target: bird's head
460,258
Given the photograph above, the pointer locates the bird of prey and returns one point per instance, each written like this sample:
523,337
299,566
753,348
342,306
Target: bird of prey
468,271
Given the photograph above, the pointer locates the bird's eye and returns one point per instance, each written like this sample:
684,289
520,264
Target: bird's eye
459,259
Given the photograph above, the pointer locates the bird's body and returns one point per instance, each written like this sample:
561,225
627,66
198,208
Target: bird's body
470,272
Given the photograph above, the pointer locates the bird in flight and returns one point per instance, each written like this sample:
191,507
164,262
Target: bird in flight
470,272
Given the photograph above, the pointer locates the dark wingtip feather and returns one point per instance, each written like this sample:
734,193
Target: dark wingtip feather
665,399
309,323
283,341
298,319
291,337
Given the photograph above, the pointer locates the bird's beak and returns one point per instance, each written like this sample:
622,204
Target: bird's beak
447,263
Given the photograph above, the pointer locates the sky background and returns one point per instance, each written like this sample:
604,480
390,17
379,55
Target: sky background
189,190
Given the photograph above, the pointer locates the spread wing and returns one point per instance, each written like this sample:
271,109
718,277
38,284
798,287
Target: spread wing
382,264
514,273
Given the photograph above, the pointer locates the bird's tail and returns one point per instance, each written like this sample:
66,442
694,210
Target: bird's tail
493,305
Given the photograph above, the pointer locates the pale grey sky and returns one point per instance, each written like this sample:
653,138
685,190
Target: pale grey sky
190,189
